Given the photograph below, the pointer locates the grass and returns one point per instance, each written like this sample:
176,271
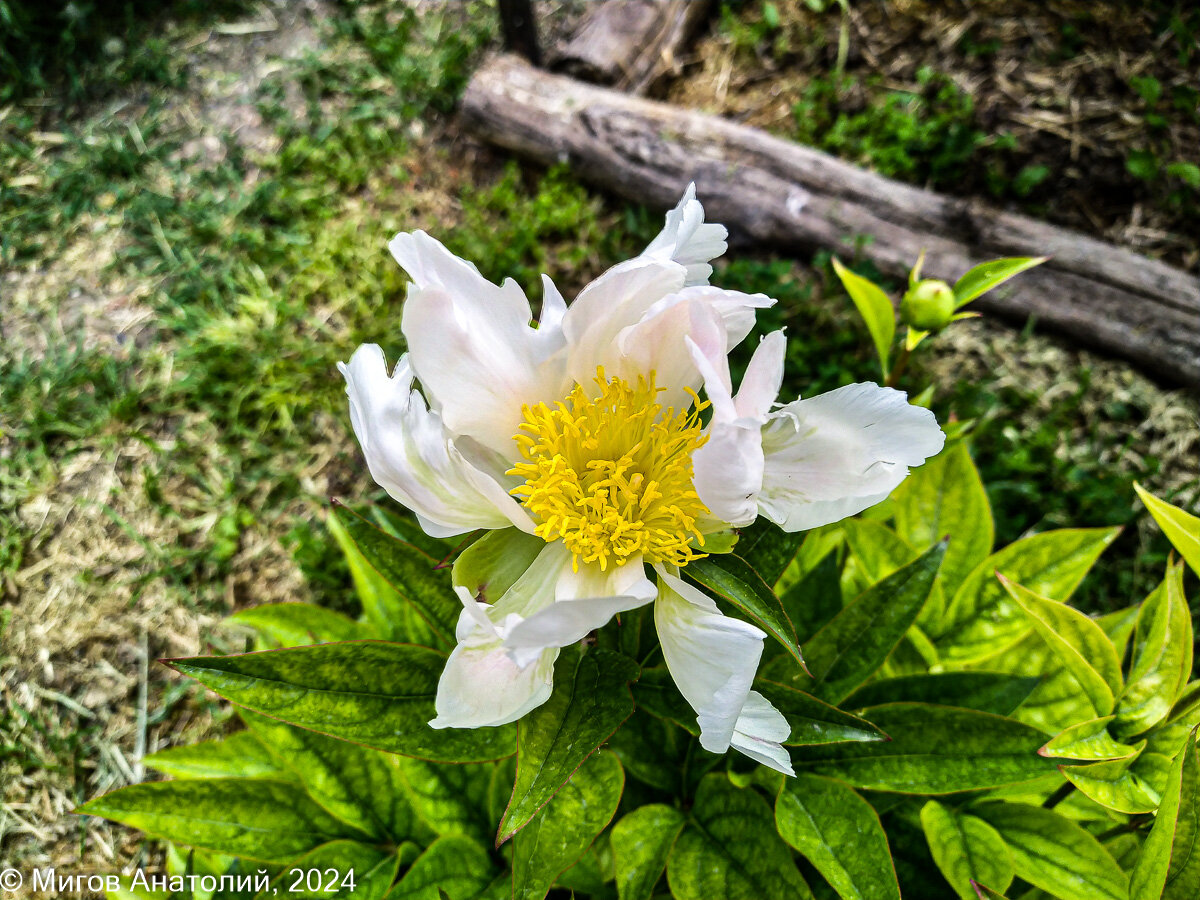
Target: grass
165,476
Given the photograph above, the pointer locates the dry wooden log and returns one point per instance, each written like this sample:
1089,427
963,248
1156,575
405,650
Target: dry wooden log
629,44
779,193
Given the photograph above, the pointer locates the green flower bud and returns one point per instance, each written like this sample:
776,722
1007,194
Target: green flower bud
928,305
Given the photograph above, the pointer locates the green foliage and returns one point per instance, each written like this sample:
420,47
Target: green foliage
1046,748
925,136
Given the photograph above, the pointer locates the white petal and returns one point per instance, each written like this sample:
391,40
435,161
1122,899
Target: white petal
727,471
614,301
688,240
584,601
481,685
413,458
480,373
712,658
836,454
737,310
760,732
764,376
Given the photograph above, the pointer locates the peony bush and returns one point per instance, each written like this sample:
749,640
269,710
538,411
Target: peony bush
623,568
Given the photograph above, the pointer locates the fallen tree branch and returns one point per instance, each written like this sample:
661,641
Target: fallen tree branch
782,194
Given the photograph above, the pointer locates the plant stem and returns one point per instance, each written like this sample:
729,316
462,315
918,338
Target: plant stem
1058,796
898,367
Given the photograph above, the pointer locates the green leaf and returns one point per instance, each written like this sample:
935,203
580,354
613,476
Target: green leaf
591,699
1089,741
813,721
1078,642
967,849
982,618
839,833
1181,528
992,692
414,576
876,549
1117,785
374,871
368,692
451,800
1162,658
298,624
383,607
655,692
1119,625
269,821
730,849
986,276
874,307
1169,864
494,563
455,865
362,787
933,750
945,497
732,578
240,755
1053,853
983,892
652,750
857,641
564,830
641,842
814,599
767,548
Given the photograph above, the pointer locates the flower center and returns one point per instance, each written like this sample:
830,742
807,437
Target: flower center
611,476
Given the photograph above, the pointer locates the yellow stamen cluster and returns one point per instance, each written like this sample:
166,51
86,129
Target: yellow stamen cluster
611,475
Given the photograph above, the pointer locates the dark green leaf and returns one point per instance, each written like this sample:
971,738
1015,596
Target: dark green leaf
298,624
813,721
564,830
641,842
655,692
732,578
992,692
857,641
368,692
1169,864
934,750
839,833
730,850
966,849
415,576
1053,853
360,786
814,599
271,821
767,548
590,701
651,750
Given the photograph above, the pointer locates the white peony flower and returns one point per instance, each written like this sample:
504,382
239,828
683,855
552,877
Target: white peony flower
586,432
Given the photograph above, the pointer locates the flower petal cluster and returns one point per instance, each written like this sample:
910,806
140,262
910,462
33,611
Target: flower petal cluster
582,444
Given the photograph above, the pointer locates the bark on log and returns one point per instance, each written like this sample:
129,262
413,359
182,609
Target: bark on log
782,194
629,44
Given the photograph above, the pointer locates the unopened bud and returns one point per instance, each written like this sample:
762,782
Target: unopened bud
928,305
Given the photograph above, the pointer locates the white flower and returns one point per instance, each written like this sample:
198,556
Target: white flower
583,436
